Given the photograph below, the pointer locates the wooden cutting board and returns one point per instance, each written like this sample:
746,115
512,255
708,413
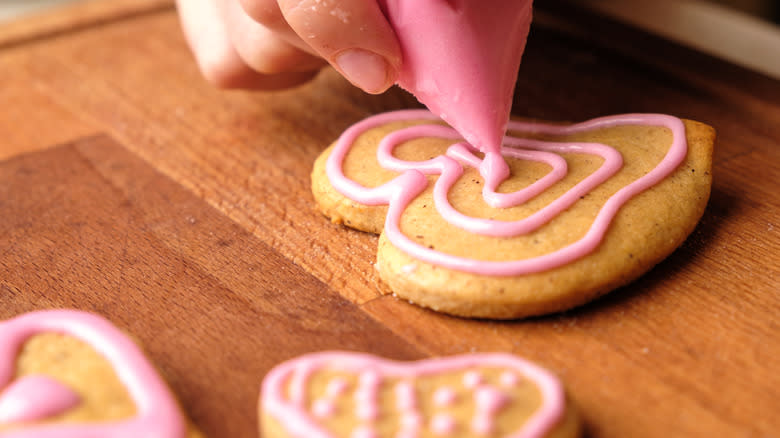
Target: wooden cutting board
131,188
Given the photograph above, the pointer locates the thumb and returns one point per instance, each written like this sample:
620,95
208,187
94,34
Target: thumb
352,35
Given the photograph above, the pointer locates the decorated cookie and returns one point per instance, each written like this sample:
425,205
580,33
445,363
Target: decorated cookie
69,374
351,395
584,208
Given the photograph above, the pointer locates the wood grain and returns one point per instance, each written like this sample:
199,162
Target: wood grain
132,188
96,228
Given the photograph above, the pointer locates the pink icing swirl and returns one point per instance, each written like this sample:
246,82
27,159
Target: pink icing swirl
399,192
158,414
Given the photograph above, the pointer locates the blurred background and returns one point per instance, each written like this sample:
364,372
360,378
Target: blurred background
10,9
745,32
769,9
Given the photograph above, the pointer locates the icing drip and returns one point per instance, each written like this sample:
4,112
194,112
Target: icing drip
399,192
280,402
35,397
158,415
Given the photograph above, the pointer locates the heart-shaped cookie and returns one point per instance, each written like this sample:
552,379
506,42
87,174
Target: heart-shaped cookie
586,207
352,395
27,401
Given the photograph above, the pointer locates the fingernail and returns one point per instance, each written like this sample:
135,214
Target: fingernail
365,69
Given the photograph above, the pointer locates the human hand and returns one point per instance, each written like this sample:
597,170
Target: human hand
273,44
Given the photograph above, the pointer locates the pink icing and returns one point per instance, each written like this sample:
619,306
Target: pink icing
366,395
472,379
35,397
336,387
405,397
366,410
490,399
406,404
399,192
280,400
404,433
158,413
443,424
323,408
509,379
411,420
363,432
460,59
444,396
482,425
488,402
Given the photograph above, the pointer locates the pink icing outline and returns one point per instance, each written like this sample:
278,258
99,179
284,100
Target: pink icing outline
400,191
35,397
296,419
158,416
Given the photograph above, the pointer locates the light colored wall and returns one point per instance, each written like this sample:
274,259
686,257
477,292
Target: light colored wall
769,9
707,25
710,27
10,9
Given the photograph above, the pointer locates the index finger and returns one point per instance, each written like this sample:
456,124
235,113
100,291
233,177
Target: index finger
352,35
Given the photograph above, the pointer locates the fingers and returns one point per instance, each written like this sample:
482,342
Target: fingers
268,13
204,25
281,44
263,49
352,35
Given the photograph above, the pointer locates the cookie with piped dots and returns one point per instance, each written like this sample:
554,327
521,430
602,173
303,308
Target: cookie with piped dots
354,395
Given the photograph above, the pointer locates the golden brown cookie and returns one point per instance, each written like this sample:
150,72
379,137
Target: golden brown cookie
585,209
352,395
69,374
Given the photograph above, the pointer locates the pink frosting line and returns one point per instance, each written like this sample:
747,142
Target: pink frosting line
399,192
35,397
300,424
158,414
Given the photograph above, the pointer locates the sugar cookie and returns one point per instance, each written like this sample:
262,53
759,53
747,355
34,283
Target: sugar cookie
352,395
71,374
586,208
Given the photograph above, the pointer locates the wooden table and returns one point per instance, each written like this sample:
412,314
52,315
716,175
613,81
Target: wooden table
131,188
